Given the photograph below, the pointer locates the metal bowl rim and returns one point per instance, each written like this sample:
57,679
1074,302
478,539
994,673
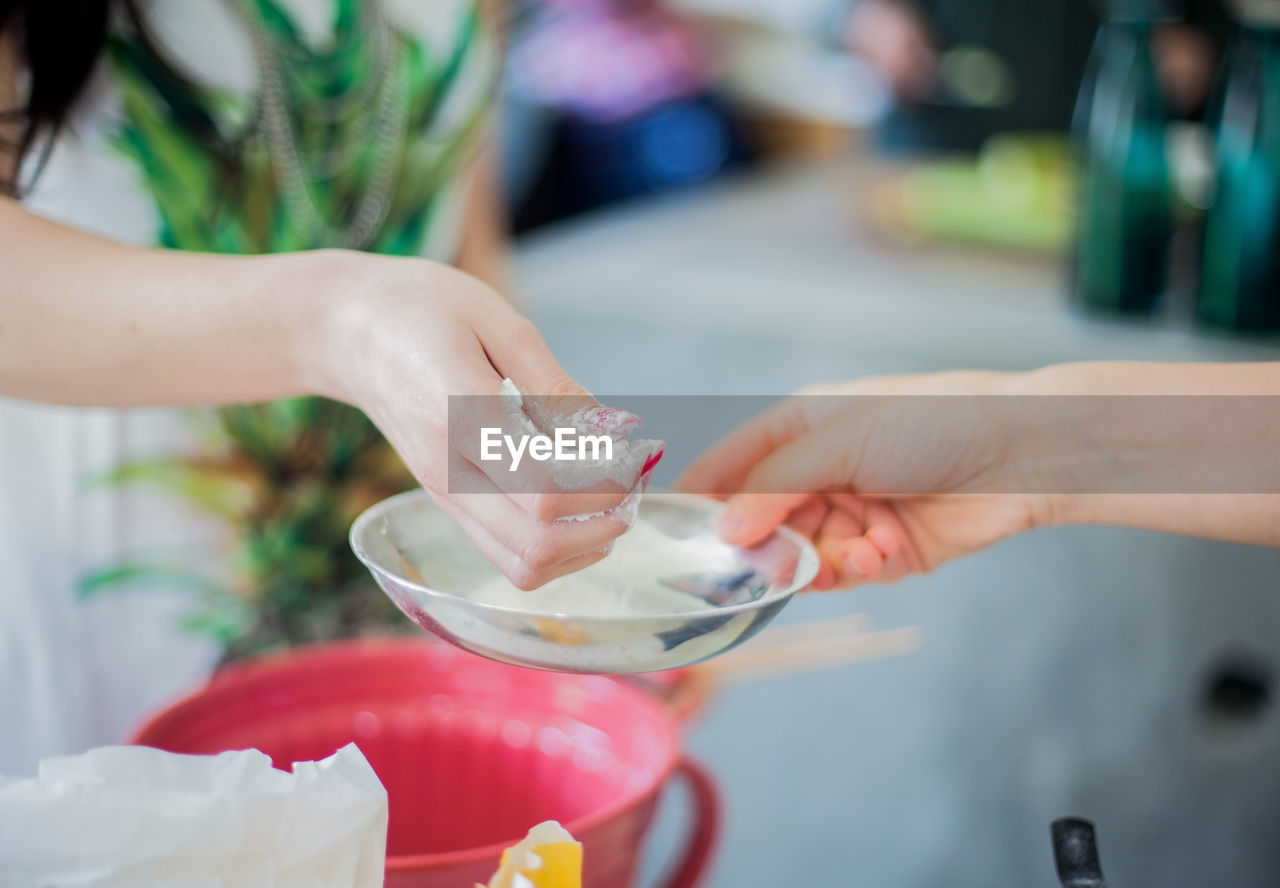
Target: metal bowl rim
798,582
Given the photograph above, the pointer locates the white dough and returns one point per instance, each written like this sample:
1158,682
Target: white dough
629,456
607,588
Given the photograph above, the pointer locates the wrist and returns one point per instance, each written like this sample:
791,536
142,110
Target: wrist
320,308
332,300
1089,435
1039,457
365,321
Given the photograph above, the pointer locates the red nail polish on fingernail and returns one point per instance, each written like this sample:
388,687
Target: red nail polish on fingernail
653,459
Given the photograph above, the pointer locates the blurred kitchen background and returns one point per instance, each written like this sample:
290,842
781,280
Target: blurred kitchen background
749,196
746,196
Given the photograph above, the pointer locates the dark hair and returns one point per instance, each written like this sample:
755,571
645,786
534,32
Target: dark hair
57,45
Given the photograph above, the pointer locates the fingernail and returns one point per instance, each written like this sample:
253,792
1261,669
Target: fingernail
851,567
731,521
654,458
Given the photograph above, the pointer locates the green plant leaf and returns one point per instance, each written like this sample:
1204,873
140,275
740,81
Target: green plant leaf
221,488
110,578
223,619
289,475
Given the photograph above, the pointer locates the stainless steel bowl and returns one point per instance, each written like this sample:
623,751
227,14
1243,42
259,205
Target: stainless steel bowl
670,593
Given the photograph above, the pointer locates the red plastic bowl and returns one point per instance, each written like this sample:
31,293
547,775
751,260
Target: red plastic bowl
472,752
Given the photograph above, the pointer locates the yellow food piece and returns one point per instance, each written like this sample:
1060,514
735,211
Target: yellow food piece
554,631
548,857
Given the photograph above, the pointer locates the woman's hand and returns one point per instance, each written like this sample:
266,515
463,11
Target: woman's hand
883,485
397,338
897,475
91,322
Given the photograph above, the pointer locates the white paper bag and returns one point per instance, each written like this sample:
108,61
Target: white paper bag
133,817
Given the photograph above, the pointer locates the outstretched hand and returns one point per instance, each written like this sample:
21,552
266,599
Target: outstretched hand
884,486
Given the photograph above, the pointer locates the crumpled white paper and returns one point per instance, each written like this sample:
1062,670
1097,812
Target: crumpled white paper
142,818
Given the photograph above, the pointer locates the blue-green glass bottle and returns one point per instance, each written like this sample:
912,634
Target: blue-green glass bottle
1126,216
1240,274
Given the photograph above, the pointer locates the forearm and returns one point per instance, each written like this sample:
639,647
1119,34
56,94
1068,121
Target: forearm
87,321
83,321
1181,448
483,251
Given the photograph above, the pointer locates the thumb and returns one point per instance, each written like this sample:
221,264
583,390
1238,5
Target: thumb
517,351
784,480
823,460
750,517
550,395
552,398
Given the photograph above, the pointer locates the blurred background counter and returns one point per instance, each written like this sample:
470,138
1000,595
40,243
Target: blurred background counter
1119,675
775,280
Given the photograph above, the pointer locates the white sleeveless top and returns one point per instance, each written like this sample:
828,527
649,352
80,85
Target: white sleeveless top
76,670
